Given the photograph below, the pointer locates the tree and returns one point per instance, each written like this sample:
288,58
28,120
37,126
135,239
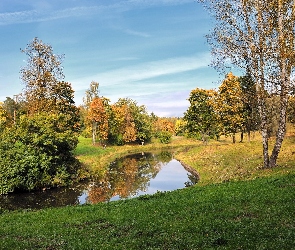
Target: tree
42,76
90,95
200,117
180,127
129,122
122,126
3,117
37,153
228,106
99,118
258,37
251,120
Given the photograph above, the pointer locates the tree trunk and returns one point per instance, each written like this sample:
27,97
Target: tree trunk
285,82
264,132
234,138
93,132
249,136
242,137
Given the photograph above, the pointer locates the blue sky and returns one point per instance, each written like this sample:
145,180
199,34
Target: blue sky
152,51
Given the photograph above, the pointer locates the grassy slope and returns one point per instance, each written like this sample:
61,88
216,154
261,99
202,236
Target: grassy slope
255,210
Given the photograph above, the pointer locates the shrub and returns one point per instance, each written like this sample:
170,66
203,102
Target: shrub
37,153
165,137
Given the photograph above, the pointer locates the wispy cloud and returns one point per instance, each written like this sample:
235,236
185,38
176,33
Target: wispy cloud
136,33
37,15
147,70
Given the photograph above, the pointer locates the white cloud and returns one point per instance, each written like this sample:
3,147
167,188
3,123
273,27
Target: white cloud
145,71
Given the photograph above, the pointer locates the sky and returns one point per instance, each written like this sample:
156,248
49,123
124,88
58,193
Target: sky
152,51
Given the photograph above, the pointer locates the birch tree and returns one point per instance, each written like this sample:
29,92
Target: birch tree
258,37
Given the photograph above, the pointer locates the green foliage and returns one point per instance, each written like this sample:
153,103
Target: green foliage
165,137
37,153
229,106
251,120
201,117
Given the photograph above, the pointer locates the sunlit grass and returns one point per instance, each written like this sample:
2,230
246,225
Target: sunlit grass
255,214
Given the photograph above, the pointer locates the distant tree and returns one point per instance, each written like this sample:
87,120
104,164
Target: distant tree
163,129
90,95
251,119
200,117
3,117
99,117
228,106
129,122
122,126
180,127
141,119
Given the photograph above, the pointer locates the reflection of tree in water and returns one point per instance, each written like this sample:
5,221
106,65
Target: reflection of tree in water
55,197
193,179
165,157
126,177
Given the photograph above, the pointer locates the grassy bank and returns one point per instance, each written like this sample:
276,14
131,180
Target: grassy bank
236,205
255,214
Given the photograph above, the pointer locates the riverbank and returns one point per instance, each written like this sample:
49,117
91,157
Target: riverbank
236,205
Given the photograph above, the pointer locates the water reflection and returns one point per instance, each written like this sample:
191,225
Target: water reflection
133,175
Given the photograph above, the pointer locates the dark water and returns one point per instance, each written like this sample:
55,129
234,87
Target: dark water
128,177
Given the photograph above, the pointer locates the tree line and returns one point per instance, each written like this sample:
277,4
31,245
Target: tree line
231,109
121,122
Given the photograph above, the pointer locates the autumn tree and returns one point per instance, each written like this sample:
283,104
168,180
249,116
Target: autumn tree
163,129
228,106
122,126
180,127
200,117
99,117
141,118
258,37
41,76
129,122
91,93
89,124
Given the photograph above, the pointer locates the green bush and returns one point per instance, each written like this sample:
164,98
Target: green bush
165,137
37,153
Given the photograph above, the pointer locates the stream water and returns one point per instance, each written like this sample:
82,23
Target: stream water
127,177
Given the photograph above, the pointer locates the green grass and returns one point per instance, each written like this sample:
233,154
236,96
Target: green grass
255,214
236,205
